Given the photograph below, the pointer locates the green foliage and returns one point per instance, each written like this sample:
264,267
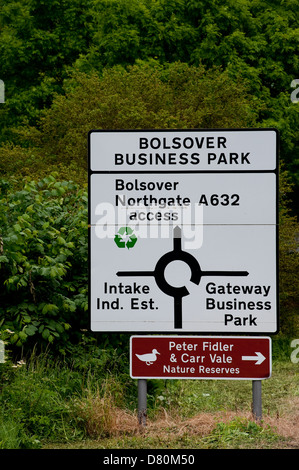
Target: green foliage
41,42
17,163
249,39
70,66
43,248
38,41
146,95
48,399
37,403
44,253
13,434
42,397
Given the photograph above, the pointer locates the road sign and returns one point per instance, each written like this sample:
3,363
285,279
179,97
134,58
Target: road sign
200,357
183,231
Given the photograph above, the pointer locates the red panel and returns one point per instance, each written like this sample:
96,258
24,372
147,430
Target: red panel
209,357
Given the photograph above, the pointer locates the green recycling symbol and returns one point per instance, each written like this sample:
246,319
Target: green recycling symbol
125,237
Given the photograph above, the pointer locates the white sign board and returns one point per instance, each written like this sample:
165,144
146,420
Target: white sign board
183,231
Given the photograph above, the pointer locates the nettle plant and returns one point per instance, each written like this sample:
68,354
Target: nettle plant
43,261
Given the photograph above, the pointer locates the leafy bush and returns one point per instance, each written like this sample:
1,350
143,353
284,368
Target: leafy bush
43,261
248,39
45,398
33,165
144,96
37,404
13,435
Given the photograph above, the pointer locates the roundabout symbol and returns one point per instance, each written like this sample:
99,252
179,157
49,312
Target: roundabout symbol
178,292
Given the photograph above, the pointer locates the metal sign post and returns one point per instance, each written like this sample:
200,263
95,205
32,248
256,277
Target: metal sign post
142,402
257,399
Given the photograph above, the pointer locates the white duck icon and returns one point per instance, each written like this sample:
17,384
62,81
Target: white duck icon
148,358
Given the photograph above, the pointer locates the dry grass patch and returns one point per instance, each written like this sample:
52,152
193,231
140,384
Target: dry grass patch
102,418
111,427
108,423
286,423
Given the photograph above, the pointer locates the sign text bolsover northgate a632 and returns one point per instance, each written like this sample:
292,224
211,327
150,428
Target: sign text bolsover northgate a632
200,357
183,231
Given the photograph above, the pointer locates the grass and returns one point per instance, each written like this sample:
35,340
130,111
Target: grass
203,431
208,415
89,404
